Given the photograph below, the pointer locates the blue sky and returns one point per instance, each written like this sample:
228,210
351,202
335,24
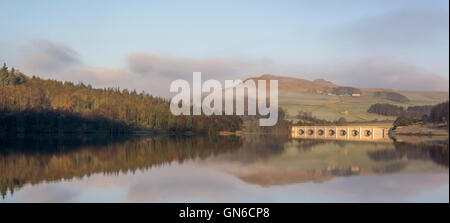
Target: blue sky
306,39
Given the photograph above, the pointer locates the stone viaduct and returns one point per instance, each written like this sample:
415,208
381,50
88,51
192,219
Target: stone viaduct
353,133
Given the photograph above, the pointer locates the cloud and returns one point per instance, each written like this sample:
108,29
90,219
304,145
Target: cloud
371,72
154,73
43,56
382,72
398,28
174,68
98,75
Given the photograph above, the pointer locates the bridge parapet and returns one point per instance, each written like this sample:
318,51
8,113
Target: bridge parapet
353,133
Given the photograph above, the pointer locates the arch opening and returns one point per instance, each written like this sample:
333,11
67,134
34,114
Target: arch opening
301,132
320,132
331,132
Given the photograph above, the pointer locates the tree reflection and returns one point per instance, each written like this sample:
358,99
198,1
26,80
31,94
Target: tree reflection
39,159
436,151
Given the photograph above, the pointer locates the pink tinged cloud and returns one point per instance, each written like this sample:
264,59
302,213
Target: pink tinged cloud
153,73
43,56
382,72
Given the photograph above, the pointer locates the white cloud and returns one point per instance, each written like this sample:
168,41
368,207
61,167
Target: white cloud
98,75
382,72
176,67
43,56
154,73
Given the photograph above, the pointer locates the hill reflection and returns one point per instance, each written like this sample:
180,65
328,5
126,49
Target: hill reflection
264,160
301,161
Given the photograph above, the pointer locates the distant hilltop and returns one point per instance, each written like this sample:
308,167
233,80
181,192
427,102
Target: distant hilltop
329,101
319,85
323,86
298,84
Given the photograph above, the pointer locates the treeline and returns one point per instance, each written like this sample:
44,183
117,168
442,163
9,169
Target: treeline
419,111
345,91
306,118
251,124
29,104
437,114
10,77
392,96
394,110
436,151
57,122
386,109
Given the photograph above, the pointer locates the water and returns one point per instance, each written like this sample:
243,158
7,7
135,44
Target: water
222,169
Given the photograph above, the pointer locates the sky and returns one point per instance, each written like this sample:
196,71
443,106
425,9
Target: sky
144,45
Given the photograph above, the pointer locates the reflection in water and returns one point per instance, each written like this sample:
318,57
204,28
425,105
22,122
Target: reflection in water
301,161
20,165
267,161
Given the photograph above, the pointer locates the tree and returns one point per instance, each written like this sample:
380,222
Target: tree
12,77
84,108
345,91
392,96
405,121
386,109
439,113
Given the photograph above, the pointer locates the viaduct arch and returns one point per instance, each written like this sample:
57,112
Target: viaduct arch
355,133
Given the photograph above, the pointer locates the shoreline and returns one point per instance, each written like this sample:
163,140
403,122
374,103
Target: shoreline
420,130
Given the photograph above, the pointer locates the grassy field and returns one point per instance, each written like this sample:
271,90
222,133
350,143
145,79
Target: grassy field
331,108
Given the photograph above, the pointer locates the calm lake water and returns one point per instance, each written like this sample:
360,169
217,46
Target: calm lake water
222,169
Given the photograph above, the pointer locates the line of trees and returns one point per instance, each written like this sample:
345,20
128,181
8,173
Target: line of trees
306,118
437,114
392,96
386,109
10,77
36,105
251,124
419,111
345,91
394,110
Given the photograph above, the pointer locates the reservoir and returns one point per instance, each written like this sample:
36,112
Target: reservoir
248,168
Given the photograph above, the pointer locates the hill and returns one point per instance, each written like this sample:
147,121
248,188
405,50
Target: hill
299,85
322,99
35,105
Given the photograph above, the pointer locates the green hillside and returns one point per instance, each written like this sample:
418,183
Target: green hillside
332,107
322,103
